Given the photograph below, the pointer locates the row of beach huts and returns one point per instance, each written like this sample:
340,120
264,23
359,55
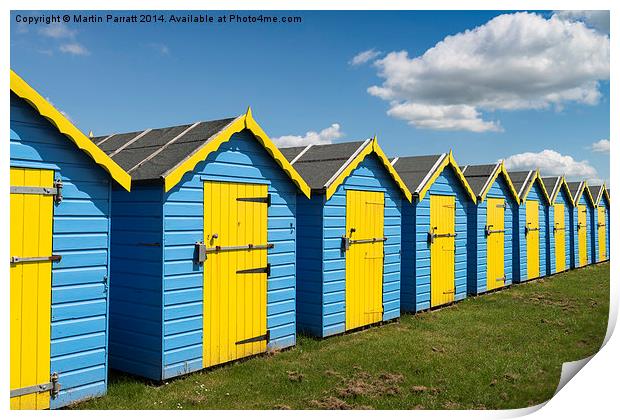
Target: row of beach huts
165,251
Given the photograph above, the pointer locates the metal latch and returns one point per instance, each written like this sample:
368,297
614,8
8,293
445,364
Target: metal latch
266,270
501,278
53,386
264,337
449,292
201,250
432,235
266,200
600,224
529,229
347,242
579,226
53,258
55,191
488,231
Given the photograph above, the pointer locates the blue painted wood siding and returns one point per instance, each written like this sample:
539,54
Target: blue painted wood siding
520,266
370,175
562,198
81,235
477,247
590,231
241,159
136,281
310,264
416,281
603,204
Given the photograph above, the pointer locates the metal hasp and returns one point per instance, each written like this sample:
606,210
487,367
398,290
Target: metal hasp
266,270
555,228
529,229
347,242
266,200
53,386
432,235
488,231
579,226
55,191
53,258
264,337
202,251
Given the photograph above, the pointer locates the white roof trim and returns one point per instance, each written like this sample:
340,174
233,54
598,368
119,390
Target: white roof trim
526,182
101,141
484,187
393,162
296,158
156,152
430,172
130,142
343,167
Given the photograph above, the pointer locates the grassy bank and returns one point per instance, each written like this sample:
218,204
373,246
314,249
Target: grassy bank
501,350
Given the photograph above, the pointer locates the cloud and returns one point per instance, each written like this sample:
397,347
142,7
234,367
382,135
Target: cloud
325,136
74,48
58,31
163,49
596,19
364,57
601,146
513,62
552,163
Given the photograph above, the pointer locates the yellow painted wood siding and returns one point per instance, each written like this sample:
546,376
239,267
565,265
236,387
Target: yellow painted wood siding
364,261
559,226
602,230
235,304
495,243
442,249
31,285
582,231
532,238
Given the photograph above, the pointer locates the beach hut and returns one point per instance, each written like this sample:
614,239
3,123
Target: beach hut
558,240
203,248
435,237
530,262
601,197
348,269
584,228
60,185
490,227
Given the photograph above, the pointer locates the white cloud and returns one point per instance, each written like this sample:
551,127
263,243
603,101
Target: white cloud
601,146
597,19
552,163
513,62
74,48
58,31
364,57
325,136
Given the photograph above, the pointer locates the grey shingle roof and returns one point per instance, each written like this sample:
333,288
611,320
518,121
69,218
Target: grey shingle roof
596,191
413,169
478,175
573,187
321,162
550,183
156,151
519,178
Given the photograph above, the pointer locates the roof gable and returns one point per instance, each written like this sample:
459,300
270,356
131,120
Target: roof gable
325,167
600,192
23,90
420,172
482,177
525,180
577,189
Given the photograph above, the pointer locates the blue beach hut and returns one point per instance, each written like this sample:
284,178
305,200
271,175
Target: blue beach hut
584,224
435,234
203,248
348,269
491,224
59,265
601,197
558,240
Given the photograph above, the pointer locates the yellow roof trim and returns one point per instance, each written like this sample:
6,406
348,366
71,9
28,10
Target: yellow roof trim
448,160
587,189
564,184
542,187
66,127
371,147
602,193
502,170
174,175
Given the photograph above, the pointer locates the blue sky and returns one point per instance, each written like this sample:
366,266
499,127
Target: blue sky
511,95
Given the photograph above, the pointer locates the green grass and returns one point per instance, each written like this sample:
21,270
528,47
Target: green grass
501,350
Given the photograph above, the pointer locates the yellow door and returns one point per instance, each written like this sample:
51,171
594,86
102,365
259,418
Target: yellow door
235,271
442,245
560,237
31,285
602,244
581,234
364,258
495,243
532,239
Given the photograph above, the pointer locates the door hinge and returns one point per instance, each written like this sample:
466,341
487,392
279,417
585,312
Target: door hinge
55,191
53,258
266,270
264,337
266,200
53,386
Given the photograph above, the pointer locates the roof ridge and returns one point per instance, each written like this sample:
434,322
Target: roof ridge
296,158
347,162
431,170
